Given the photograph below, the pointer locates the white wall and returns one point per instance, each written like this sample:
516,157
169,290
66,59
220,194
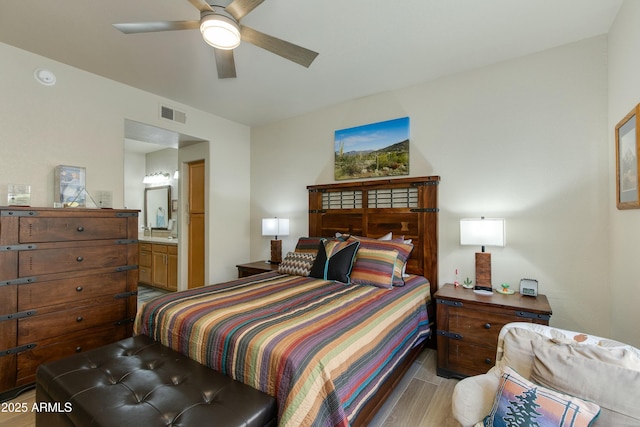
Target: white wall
524,139
80,122
624,94
134,172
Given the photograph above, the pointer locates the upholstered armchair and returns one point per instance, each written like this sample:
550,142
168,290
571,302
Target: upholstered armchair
582,376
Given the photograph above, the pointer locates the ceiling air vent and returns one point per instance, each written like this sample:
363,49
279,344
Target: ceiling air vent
171,114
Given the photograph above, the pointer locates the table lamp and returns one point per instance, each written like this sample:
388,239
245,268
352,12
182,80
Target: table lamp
275,227
482,232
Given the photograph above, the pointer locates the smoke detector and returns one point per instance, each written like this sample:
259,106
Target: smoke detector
45,77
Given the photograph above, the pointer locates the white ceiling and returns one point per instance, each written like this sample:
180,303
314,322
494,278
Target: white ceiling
365,46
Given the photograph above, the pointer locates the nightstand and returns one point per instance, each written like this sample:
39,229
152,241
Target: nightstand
257,267
468,326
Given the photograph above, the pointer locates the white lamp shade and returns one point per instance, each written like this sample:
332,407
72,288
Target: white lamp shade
275,226
482,231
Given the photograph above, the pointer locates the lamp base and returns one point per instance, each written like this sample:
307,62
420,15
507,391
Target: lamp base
483,271
276,252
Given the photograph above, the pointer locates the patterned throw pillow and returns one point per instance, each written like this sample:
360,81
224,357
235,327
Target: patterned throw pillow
403,249
374,267
297,264
519,402
334,260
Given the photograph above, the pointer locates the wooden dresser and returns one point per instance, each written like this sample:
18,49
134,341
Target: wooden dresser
468,326
68,283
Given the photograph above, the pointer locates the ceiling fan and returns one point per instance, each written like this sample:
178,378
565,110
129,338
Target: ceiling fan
221,28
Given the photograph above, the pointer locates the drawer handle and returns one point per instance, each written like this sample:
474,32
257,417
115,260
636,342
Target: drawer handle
488,361
80,229
78,349
79,289
487,325
79,319
79,259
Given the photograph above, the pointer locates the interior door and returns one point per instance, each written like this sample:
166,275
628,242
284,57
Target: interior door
196,223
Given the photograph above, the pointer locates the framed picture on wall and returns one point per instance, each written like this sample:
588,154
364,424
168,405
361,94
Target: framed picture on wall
70,186
373,150
627,185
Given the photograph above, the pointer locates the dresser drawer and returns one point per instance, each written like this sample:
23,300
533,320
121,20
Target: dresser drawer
49,261
40,327
476,326
42,229
468,359
59,347
67,291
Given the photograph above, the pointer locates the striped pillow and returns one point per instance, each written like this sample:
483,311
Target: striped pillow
297,264
374,267
403,249
310,244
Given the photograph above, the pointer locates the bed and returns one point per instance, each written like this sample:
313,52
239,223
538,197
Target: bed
329,352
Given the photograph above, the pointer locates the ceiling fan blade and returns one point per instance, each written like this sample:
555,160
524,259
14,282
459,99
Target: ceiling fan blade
225,63
152,27
240,8
201,5
287,50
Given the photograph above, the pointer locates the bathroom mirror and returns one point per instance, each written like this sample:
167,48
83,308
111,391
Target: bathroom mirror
157,203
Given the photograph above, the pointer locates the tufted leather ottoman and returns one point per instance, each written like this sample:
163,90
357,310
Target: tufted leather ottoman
139,382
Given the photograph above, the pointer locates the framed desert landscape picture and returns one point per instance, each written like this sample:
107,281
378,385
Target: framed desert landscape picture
373,150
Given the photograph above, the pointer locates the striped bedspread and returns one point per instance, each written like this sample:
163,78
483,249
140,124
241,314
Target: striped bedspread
321,348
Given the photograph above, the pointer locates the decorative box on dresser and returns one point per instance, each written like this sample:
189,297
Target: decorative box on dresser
68,283
468,325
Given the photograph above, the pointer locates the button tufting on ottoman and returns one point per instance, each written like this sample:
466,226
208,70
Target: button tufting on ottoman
139,382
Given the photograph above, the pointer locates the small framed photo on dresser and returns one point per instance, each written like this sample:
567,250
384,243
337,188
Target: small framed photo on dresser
627,183
70,186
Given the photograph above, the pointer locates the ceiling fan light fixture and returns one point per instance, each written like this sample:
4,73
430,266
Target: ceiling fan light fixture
220,32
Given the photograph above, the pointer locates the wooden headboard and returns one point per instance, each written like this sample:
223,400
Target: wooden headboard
405,206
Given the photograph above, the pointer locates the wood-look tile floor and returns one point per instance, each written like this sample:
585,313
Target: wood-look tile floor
13,415
422,399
